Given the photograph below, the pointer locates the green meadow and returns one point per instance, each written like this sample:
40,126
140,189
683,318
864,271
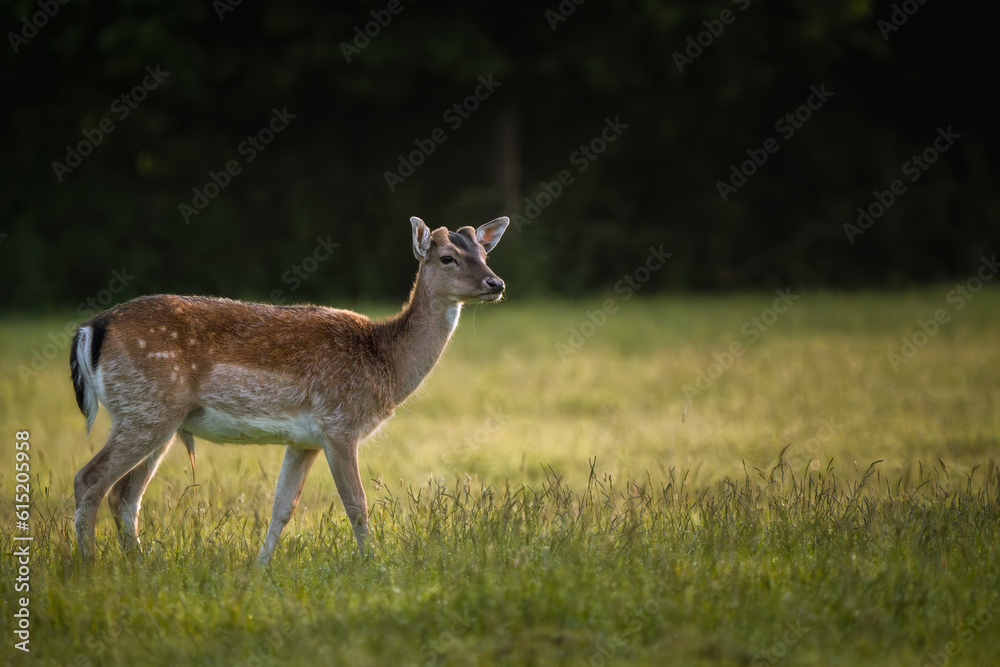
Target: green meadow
679,480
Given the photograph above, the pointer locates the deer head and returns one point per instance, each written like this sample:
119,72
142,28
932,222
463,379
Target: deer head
453,264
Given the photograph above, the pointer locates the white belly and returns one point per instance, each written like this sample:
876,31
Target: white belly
218,426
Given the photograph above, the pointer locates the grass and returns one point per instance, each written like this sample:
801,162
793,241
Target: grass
805,504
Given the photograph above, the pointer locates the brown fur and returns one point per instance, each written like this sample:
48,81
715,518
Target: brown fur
316,378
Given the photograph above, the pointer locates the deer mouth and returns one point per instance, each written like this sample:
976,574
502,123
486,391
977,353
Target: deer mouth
491,296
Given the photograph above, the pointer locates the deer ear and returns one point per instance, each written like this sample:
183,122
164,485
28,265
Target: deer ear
489,234
421,239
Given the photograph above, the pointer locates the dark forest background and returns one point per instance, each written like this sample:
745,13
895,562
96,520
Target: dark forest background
563,71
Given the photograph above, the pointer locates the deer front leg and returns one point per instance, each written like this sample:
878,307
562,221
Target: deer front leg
294,469
343,460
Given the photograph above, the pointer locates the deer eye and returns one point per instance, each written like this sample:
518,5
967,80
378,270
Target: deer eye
447,259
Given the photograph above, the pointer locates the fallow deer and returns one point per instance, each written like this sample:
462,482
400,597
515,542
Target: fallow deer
316,379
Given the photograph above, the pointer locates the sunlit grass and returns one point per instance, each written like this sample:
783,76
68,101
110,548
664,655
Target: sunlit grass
811,505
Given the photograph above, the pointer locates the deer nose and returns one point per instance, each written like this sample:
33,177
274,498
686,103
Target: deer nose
494,284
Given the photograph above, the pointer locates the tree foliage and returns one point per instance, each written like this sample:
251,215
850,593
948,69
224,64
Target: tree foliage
463,111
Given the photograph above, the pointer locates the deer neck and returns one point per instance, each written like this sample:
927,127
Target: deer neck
413,339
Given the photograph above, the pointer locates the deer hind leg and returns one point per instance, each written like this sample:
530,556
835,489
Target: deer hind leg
127,447
125,497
